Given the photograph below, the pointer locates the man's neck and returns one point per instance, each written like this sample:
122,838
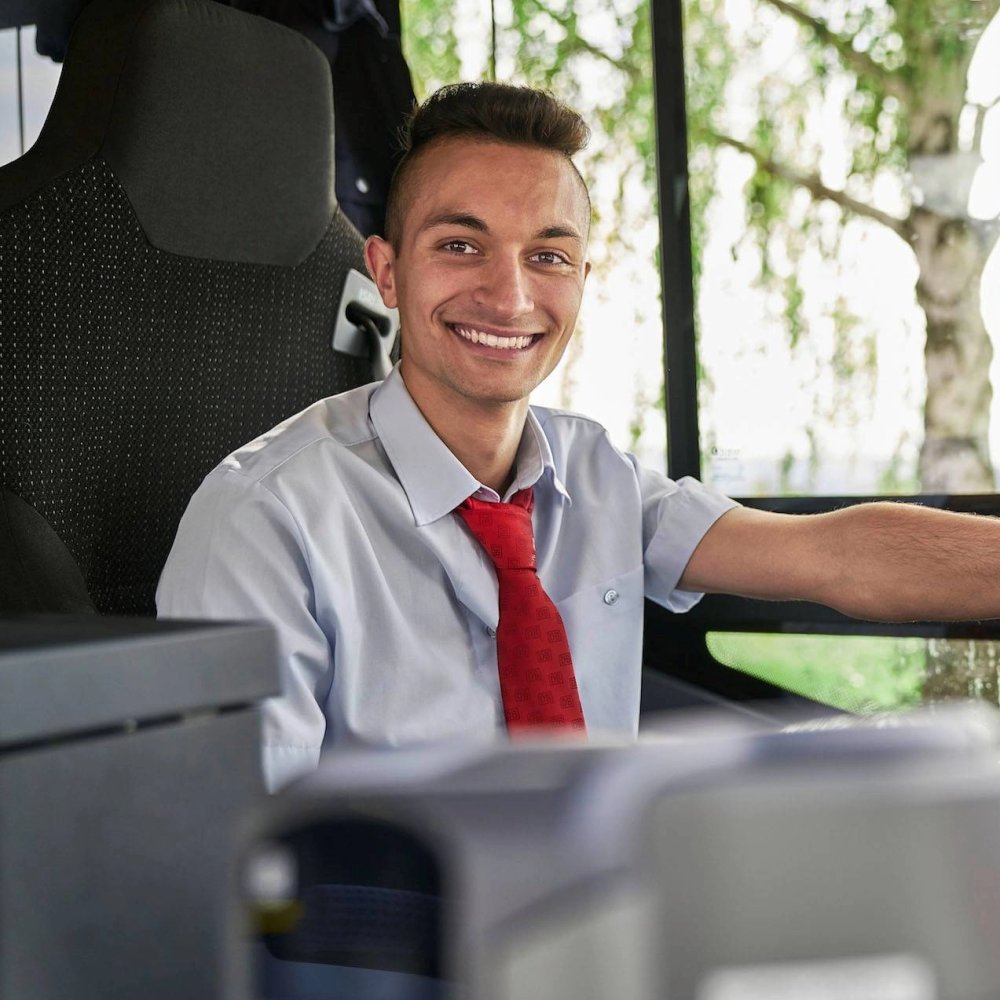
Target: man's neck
484,437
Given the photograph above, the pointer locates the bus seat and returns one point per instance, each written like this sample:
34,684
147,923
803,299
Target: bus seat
37,573
171,257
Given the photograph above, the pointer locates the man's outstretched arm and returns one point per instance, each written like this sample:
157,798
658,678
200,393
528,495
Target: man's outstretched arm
879,561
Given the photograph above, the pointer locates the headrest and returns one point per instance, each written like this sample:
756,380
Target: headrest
218,124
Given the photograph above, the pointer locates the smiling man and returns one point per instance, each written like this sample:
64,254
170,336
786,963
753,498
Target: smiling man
444,561
486,261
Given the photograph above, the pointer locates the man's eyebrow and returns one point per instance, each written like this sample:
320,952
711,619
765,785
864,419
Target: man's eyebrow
462,219
558,233
467,221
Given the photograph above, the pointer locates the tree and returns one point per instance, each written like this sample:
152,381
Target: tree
908,120
903,116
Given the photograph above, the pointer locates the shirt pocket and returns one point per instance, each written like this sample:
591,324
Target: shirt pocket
604,624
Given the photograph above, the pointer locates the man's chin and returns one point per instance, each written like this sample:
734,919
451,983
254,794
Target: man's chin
498,395
496,401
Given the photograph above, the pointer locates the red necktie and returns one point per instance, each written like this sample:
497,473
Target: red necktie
537,682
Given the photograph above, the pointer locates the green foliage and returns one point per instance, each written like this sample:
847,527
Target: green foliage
895,480
793,299
863,674
708,63
860,77
785,470
430,43
936,39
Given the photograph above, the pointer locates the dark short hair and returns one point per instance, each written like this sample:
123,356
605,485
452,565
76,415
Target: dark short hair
489,112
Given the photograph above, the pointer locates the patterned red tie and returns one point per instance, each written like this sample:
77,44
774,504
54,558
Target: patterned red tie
537,682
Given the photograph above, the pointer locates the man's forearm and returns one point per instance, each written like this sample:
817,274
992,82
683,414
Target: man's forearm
904,562
880,561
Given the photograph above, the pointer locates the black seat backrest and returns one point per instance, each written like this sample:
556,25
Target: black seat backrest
171,258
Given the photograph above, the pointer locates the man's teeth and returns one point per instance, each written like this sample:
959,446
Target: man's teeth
504,343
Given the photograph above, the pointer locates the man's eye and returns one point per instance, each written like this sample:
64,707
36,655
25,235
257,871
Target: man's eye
458,246
549,257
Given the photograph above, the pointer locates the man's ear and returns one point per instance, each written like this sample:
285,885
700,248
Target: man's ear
380,260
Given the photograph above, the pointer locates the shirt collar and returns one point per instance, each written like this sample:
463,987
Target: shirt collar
434,480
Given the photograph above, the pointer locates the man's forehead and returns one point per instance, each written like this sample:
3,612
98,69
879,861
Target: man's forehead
432,201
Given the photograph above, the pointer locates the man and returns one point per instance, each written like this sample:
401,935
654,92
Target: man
351,527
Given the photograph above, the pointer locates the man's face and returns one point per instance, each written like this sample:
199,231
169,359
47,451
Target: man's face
489,270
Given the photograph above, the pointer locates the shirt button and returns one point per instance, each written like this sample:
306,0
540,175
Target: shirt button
611,597
491,631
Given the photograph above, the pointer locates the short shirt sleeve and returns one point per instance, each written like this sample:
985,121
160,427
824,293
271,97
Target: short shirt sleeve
675,518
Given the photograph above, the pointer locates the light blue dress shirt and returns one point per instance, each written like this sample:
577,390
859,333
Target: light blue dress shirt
337,526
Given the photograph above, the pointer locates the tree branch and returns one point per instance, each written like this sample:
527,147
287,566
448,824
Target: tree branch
860,62
630,69
816,187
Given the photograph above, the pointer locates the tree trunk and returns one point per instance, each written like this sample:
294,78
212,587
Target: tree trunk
951,252
955,456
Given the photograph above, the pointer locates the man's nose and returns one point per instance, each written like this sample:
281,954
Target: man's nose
505,288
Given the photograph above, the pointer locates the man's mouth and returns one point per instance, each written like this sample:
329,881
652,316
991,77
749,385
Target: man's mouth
505,343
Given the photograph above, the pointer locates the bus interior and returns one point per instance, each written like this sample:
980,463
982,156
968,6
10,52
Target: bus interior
796,222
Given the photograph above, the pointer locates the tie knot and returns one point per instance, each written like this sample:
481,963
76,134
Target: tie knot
503,529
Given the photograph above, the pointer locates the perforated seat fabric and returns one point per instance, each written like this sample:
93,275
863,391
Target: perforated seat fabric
41,576
364,925
127,370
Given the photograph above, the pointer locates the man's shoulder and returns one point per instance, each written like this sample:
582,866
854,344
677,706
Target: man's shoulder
567,423
333,425
582,451
568,433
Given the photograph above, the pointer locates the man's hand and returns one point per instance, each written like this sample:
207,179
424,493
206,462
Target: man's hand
880,561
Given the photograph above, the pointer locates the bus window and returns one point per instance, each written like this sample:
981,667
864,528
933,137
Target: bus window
864,674
844,206
845,196
27,85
